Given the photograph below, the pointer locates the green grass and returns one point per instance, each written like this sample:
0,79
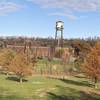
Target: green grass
55,66
41,88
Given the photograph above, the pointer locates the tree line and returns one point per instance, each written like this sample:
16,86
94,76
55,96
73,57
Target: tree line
20,41
86,54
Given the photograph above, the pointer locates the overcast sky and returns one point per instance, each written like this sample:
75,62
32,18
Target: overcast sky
38,17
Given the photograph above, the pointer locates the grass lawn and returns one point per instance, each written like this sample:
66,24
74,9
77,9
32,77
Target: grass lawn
41,88
55,66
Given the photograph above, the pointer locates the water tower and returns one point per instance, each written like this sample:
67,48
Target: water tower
59,33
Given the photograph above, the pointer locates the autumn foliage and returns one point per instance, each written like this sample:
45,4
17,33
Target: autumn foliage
21,66
6,56
16,63
92,63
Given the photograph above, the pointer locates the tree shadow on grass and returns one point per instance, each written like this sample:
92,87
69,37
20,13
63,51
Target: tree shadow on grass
71,94
12,78
53,96
80,76
10,97
82,83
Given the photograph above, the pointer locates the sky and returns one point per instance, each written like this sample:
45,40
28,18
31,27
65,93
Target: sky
37,18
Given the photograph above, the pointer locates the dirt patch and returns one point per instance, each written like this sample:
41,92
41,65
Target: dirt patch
90,91
43,92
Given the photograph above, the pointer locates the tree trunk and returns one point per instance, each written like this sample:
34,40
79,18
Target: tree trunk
21,80
95,82
41,71
50,69
7,74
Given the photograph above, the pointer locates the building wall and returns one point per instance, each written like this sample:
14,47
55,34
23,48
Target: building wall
39,51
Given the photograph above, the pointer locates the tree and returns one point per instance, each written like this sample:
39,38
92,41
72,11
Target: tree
21,66
81,48
59,53
6,56
91,64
